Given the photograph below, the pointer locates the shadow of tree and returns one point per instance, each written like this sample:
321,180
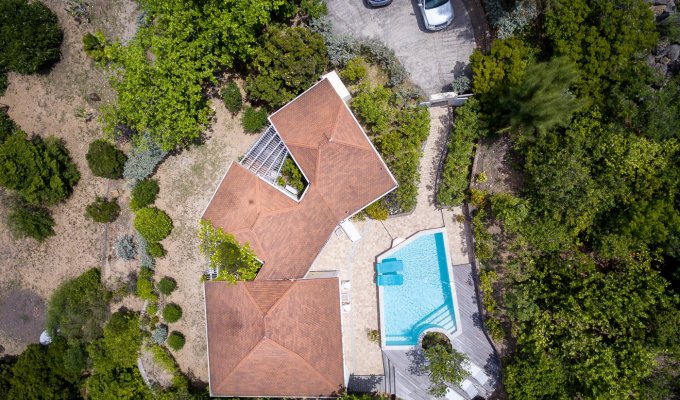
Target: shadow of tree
417,361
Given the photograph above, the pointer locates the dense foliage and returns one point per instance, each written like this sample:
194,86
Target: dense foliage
167,285
231,95
30,36
105,160
584,273
188,42
144,194
468,127
40,170
444,366
232,261
288,62
103,210
254,119
398,130
78,308
26,220
292,175
176,340
172,313
153,224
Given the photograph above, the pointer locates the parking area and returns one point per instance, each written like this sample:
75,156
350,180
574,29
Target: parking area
431,58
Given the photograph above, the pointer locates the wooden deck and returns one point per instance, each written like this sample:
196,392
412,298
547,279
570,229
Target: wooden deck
409,383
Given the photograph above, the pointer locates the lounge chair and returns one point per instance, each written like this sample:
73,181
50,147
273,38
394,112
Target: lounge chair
469,388
389,266
479,374
453,395
390,280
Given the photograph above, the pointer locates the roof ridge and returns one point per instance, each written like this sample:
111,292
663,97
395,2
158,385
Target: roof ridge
304,360
252,299
336,120
283,295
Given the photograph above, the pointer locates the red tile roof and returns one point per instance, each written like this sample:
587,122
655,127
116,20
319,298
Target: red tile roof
345,175
275,338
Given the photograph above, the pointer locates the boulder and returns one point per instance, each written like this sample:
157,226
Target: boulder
673,52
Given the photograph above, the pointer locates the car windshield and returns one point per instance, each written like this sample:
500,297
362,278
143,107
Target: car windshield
434,3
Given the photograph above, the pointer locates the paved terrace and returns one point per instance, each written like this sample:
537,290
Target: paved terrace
356,261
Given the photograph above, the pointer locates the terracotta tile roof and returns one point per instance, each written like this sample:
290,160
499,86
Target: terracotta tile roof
345,174
274,338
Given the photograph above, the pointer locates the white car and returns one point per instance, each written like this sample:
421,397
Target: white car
437,14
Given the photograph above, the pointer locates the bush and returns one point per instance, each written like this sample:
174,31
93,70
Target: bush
378,211
145,260
461,84
41,171
143,160
145,289
95,46
232,97
125,248
176,340
355,70
153,224
253,120
3,82
152,308
144,193
468,128
160,334
25,220
79,307
481,177
287,63
103,210
105,160
167,285
156,250
30,36
477,196
293,175
172,313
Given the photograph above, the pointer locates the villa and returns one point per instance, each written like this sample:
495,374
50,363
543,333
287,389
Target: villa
280,336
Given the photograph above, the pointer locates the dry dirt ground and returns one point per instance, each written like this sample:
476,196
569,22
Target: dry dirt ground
500,163
30,271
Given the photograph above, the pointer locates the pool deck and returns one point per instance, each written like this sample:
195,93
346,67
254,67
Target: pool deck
355,263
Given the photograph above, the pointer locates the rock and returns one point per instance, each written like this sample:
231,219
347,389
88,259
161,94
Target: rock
673,52
658,10
664,60
661,69
93,97
660,2
660,50
662,16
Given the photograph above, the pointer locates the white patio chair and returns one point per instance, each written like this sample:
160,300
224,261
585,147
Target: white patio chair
479,374
469,388
453,395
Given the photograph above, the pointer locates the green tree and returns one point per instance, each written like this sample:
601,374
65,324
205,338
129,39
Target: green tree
542,100
30,36
40,171
287,63
445,366
105,160
78,308
504,66
233,261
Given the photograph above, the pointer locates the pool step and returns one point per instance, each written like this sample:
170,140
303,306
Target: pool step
440,318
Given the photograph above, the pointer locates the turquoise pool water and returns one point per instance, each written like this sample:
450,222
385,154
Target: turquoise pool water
424,300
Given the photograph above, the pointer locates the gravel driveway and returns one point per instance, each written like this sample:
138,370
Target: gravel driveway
432,58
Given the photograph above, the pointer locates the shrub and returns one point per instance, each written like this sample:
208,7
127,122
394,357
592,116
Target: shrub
95,46
510,23
378,211
30,36
445,366
481,177
477,196
105,160
355,70
232,97
103,210
373,335
152,308
167,285
461,84
253,120
232,261
41,171
293,174
160,334
374,107
467,129
3,81
172,313
125,248
25,220
287,63
145,285
153,224
377,52
79,307
432,339
143,160
176,340
145,260
144,193
156,250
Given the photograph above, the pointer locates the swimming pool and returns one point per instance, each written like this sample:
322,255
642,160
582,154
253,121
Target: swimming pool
426,298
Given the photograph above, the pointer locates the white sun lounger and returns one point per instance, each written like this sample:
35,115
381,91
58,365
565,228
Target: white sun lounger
469,388
479,374
453,395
